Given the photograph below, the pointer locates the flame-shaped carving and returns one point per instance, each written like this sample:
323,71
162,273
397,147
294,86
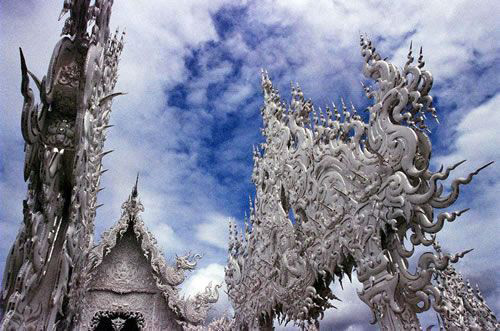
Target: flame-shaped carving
356,188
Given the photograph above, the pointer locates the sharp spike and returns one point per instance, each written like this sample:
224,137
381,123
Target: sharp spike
109,97
463,211
134,190
36,80
457,164
103,154
421,61
24,74
486,165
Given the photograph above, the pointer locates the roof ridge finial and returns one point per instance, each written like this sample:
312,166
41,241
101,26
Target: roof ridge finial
134,189
132,206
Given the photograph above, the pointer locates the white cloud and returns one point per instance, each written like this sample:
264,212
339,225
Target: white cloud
202,277
450,31
215,231
236,94
476,137
166,237
351,312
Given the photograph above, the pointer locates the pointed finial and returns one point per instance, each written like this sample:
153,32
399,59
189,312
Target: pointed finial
315,116
410,54
134,190
66,8
322,116
336,112
421,61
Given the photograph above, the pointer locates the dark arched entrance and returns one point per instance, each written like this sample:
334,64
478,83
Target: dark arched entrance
117,321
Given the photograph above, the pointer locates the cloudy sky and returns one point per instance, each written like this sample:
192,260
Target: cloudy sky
191,115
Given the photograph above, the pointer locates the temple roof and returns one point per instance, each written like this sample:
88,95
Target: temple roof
168,277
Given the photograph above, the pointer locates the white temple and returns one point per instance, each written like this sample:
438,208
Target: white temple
357,186
130,284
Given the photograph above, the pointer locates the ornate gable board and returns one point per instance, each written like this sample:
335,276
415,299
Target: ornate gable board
122,284
189,311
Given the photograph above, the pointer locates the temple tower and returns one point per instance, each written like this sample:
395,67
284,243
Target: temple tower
64,139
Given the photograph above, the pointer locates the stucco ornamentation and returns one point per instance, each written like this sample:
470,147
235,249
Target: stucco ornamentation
338,191
64,145
136,265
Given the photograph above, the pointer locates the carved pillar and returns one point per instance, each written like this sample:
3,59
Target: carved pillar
383,294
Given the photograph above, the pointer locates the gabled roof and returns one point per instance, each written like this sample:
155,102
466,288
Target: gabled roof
167,277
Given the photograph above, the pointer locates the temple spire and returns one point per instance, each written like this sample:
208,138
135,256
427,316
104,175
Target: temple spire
134,189
133,206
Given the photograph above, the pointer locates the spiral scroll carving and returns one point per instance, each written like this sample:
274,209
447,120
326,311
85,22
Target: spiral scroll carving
356,187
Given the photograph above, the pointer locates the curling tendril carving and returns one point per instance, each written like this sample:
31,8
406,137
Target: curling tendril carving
356,188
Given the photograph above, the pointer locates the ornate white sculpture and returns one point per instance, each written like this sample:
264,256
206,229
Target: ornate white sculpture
139,276
64,138
463,307
333,193
356,189
50,278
